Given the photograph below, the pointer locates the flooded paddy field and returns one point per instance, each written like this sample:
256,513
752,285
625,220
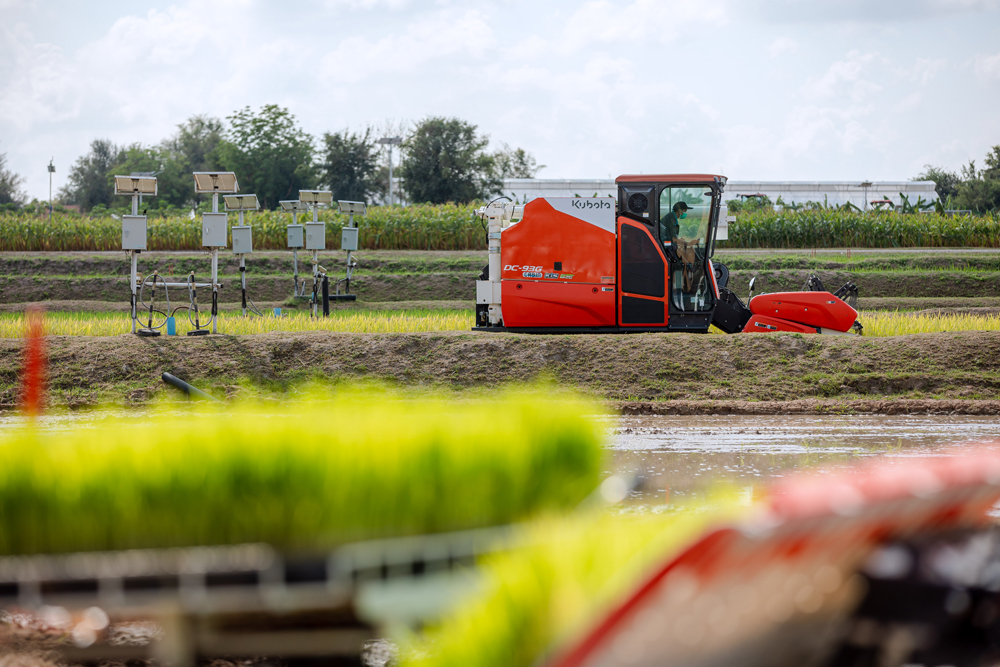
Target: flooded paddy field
682,457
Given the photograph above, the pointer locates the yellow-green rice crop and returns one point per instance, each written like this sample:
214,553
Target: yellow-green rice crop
547,592
895,323
305,476
876,323
115,324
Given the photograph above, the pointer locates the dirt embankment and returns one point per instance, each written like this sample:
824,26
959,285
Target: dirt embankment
372,287
642,372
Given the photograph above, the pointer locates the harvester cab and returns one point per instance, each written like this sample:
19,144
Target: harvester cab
641,262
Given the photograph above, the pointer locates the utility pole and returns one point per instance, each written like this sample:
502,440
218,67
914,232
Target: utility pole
52,170
390,142
866,185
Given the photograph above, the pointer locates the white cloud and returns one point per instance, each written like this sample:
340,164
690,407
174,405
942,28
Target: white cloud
781,46
988,68
447,34
844,78
601,21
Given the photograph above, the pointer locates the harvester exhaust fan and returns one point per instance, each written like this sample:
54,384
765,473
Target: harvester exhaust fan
638,203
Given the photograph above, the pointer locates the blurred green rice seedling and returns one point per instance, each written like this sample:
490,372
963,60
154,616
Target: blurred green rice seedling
310,475
539,596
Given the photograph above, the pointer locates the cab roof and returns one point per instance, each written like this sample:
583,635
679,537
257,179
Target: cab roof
670,178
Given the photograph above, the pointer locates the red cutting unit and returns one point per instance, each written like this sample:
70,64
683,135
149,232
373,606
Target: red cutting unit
641,262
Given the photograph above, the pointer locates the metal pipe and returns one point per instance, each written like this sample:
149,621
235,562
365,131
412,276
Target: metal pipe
192,392
243,281
135,278
315,279
215,284
326,296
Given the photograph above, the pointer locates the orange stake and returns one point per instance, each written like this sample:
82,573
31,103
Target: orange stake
34,371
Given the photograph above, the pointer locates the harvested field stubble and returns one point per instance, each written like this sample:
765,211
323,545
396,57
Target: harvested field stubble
391,466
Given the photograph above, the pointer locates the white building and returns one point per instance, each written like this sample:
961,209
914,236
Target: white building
832,193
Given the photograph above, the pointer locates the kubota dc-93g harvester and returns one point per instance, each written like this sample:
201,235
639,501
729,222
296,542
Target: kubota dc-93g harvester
639,264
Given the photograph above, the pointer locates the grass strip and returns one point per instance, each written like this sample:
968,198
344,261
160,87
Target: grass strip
308,475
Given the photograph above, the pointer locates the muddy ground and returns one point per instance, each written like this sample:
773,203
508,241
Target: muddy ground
448,275
688,373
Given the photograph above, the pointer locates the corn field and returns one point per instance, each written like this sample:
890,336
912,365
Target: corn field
306,475
451,227
419,227
853,229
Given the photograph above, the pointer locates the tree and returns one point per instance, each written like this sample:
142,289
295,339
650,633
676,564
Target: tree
515,163
89,183
174,184
945,182
350,166
10,185
980,189
446,161
271,156
196,143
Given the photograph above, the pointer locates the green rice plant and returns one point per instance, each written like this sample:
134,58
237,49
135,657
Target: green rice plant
548,592
300,476
116,324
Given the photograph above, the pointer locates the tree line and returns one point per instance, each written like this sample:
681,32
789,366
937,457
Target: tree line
440,160
973,189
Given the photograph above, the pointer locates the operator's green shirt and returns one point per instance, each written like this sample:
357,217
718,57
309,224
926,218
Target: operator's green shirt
670,227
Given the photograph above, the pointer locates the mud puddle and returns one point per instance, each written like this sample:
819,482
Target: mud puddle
681,458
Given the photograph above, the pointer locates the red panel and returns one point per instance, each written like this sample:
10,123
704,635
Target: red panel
528,303
765,324
546,236
816,309
666,277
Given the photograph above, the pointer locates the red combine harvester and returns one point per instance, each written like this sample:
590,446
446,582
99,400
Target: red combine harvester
642,263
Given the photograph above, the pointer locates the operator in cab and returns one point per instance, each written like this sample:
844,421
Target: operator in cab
670,226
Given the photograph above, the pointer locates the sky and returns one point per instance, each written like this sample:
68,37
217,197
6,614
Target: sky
753,89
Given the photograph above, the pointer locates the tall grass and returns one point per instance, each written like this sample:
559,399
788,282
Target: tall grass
551,590
853,229
116,324
305,476
451,227
418,227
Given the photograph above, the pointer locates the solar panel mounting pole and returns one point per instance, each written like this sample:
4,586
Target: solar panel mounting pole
315,259
52,169
390,142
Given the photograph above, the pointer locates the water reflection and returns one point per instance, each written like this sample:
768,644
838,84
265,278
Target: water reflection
680,457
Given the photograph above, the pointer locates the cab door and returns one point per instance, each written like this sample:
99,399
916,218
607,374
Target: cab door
642,277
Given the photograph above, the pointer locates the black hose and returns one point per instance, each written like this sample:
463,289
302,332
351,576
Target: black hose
192,392
326,296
